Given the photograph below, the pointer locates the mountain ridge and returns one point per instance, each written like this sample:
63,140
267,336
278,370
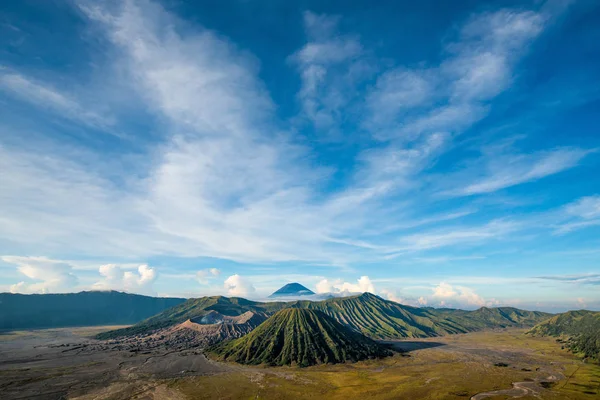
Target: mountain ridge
29,311
579,330
366,313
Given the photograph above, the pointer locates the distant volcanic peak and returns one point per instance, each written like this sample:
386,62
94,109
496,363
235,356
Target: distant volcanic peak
299,337
292,289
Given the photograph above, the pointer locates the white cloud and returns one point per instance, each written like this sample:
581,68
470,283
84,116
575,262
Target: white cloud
329,66
47,97
489,44
457,296
407,105
505,170
114,277
395,92
363,284
580,214
393,296
453,236
577,279
324,286
44,275
205,275
586,207
237,285
225,181
450,97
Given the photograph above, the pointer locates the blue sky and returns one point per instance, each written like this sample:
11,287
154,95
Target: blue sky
434,153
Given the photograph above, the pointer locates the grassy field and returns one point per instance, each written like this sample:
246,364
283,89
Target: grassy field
448,367
458,367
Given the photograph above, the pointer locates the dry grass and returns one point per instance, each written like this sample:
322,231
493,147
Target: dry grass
458,370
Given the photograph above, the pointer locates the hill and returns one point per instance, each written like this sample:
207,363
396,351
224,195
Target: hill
580,331
299,337
292,289
194,309
21,311
198,332
497,317
210,329
383,319
368,314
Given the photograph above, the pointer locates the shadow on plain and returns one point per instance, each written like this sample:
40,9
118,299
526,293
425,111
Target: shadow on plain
405,346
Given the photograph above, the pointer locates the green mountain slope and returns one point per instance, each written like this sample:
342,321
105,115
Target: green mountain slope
366,313
580,330
499,317
20,311
299,337
382,319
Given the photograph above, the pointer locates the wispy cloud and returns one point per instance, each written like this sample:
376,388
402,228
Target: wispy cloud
330,64
580,214
503,170
50,98
227,178
412,109
580,279
453,95
451,237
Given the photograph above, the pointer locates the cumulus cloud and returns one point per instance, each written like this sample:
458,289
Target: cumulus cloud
205,275
44,275
363,284
393,296
237,285
449,295
115,277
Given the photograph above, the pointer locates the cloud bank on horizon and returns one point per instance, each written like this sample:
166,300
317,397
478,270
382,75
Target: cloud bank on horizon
443,158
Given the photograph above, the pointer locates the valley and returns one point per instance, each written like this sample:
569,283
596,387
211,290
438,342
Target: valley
69,363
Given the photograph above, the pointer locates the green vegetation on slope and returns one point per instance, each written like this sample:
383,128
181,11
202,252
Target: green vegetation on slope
299,337
580,329
366,313
382,319
497,317
20,311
